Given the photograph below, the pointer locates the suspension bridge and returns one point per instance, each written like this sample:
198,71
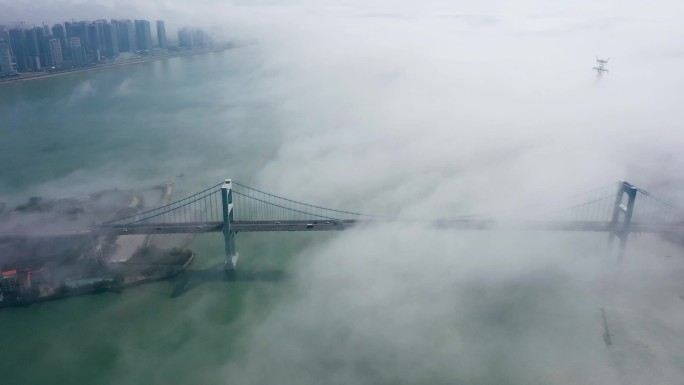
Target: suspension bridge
231,207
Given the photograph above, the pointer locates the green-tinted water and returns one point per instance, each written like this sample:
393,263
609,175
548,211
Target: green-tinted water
192,120
196,116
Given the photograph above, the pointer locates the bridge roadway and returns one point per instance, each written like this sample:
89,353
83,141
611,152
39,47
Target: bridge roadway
339,225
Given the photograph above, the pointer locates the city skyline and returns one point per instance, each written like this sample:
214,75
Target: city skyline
73,44
171,27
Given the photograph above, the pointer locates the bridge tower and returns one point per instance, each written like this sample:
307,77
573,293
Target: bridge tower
617,229
228,234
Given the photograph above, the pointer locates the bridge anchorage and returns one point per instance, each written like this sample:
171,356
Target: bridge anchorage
230,207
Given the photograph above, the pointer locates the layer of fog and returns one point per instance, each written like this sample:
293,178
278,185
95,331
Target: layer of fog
405,305
441,110
433,116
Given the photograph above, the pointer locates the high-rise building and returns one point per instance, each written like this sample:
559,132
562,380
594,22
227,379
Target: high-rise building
199,38
126,36
117,26
161,34
100,24
111,37
67,29
59,33
32,50
94,39
18,49
43,50
78,30
185,38
130,32
193,38
77,51
6,65
143,35
56,58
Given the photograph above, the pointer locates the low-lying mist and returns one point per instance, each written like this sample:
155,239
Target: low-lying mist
404,304
421,115
440,110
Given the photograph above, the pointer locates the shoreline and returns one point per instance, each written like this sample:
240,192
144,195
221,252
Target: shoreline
113,276
93,290
39,76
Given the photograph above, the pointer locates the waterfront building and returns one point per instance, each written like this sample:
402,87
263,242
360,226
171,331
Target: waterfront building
185,38
94,38
32,50
77,52
56,58
9,285
143,35
126,36
18,49
192,38
77,30
161,34
199,38
111,38
117,26
80,30
43,50
100,25
130,32
67,29
6,64
59,33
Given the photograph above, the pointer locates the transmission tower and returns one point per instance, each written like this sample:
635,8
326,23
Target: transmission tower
600,67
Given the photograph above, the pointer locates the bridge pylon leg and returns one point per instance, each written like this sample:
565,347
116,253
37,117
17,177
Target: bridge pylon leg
617,229
228,234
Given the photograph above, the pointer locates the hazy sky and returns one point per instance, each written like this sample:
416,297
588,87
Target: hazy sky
534,15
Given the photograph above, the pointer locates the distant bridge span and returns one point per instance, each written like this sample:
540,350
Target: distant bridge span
231,207
300,225
457,224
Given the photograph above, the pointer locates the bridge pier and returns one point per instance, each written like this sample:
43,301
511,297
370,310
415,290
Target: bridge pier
617,229
228,234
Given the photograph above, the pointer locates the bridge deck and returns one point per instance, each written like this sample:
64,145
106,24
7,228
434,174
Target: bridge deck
456,224
297,225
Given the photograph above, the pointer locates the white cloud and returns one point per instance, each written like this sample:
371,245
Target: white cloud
82,91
